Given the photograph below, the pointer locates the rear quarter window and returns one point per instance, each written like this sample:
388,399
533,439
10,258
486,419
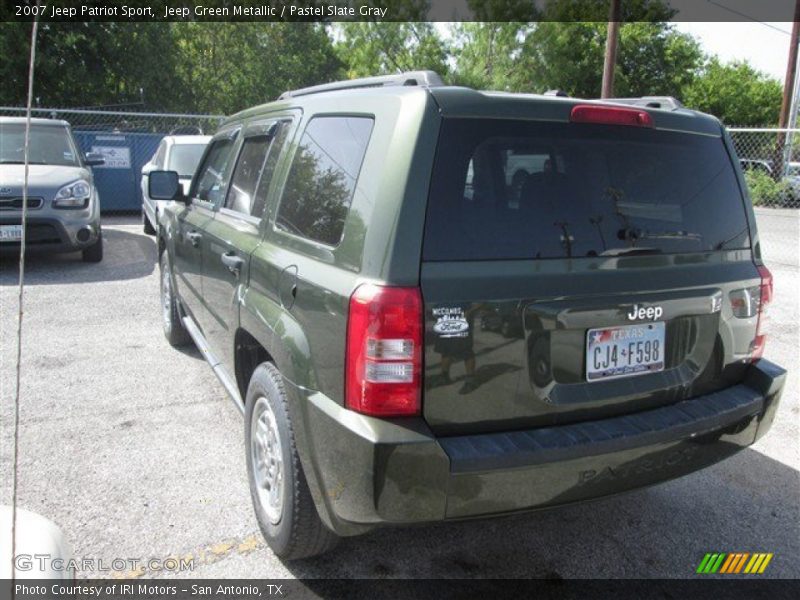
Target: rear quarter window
526,190
322,178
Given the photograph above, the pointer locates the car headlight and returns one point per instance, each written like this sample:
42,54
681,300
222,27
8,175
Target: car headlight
74,195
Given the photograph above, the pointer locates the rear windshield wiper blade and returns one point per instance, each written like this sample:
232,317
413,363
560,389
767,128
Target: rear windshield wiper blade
634,234
630,251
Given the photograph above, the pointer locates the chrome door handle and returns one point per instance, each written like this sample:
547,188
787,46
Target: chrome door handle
233,262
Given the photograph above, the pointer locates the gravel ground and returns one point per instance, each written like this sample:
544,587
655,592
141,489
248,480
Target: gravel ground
135,450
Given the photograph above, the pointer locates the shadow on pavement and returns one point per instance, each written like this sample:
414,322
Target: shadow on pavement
746,504
126,256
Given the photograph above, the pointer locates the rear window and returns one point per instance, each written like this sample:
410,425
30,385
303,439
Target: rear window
526,190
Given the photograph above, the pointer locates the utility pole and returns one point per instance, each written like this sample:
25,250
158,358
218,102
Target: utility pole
612,39
791,68
789,88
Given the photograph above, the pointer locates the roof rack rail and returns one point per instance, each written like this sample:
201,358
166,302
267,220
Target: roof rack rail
410,78
665,102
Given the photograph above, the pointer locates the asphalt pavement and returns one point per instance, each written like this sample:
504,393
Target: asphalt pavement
134,449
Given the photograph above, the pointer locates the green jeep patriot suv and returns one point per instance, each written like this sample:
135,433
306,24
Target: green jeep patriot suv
342,254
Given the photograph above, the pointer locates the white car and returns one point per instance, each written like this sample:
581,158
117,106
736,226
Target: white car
42,551
793,179
180,153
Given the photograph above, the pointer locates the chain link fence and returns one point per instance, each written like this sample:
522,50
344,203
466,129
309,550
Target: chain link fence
127,141
770,159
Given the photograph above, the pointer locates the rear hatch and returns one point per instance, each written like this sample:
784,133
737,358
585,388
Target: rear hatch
575,271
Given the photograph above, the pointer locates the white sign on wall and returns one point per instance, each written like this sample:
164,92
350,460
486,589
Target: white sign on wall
117,157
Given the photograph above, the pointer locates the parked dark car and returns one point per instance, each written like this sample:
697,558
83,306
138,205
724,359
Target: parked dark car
63,203
338,247
760,166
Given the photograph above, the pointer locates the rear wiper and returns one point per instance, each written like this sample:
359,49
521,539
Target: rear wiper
633,234
630,251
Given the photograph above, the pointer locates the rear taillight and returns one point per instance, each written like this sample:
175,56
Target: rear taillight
610,115
765,297
753,301
383,362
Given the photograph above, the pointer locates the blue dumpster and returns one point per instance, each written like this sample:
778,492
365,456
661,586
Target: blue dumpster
118,180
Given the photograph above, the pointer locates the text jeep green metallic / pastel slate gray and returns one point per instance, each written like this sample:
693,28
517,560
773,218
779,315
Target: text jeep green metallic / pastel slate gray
436,303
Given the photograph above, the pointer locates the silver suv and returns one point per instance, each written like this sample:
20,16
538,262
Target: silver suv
63,204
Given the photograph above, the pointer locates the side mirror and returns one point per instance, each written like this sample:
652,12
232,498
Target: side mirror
94,159
165,185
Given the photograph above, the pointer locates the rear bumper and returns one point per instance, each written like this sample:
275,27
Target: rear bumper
366,472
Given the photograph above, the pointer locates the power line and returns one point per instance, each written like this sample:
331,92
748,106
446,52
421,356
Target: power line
748,17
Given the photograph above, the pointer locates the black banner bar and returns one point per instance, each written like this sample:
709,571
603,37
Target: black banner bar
394,10
752,588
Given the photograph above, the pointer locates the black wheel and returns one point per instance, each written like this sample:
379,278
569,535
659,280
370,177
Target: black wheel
147,225
174,330
94,253
282,501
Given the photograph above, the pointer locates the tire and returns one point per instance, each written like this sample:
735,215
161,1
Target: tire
171,322
94,253
147,226
282,501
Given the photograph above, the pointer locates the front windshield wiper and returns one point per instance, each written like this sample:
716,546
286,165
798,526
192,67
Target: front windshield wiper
21,162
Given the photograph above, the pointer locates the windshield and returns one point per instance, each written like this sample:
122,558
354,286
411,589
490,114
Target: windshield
49,145
183,158
513,190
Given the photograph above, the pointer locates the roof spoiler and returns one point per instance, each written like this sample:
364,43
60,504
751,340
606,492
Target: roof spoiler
410,78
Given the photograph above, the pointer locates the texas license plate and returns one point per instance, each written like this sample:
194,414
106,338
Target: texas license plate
623,351
10,233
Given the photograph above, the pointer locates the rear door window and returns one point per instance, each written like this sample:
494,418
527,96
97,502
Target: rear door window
322,178
213,174
275,149
526,190
245,176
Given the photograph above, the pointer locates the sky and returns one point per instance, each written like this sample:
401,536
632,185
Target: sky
764,45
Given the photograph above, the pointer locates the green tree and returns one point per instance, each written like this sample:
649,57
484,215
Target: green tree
181,67
374,49
225,67
487,54
652,59
736,93
81,64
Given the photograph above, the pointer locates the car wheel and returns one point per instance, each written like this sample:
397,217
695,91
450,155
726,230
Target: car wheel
282,501
94,253
174,330
147,225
